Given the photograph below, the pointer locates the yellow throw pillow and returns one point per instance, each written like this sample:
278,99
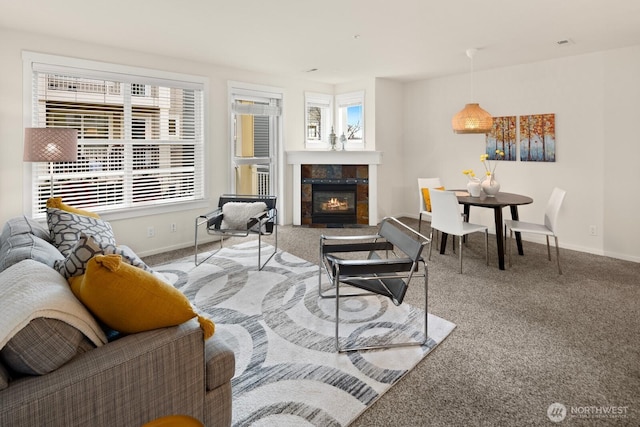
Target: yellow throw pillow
56,202
427,198
129,299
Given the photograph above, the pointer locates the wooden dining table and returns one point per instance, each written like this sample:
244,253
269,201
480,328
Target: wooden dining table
496,203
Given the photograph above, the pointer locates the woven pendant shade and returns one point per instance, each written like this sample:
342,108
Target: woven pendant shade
472,119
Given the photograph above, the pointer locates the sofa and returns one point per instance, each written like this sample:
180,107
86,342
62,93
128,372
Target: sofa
62,366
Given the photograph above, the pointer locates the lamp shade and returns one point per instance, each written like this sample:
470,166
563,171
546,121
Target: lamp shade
50,145
472,119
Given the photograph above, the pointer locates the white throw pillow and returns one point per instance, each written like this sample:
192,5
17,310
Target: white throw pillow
236,214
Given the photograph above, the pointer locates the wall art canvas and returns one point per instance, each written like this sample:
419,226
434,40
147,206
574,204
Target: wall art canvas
538,138
502,136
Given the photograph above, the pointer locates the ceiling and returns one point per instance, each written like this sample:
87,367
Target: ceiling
344,40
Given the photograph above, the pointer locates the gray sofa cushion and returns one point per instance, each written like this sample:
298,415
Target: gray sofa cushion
31,342
43,346
4,377
22,225
23,238
221,362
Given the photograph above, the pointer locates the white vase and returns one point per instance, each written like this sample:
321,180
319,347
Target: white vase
490,186
474,187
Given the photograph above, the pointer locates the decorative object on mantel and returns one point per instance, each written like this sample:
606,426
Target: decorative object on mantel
538,138
490,185
472,118
474,184
343,141
332,139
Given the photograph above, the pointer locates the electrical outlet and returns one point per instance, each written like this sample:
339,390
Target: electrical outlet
151,231
173,227
593,230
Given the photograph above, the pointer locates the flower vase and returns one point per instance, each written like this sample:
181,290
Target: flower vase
474,187
490,185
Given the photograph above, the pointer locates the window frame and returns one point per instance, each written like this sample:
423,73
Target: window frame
237,91
343,102
325,102
336,107
150,77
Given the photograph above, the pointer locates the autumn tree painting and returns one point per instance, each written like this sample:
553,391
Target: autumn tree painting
502,136
538,138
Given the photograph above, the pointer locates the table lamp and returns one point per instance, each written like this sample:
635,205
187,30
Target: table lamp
51,145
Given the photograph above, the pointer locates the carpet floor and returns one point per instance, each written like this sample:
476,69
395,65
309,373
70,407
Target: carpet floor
525,338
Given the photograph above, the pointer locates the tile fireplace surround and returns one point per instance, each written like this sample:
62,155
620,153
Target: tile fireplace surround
334,158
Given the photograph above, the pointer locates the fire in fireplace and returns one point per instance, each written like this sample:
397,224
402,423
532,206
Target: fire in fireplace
334,203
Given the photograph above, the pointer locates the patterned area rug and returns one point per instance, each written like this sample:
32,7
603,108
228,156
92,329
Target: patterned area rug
287,369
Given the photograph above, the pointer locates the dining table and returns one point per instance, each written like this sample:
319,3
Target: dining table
497,202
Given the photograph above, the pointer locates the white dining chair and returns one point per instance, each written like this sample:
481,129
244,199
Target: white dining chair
547,228
446,218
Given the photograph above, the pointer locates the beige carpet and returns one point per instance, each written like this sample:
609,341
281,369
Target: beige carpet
526,338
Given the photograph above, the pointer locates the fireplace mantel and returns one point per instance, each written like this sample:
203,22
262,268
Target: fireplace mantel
309,157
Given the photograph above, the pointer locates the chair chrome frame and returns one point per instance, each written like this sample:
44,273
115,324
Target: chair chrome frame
389,277
265,223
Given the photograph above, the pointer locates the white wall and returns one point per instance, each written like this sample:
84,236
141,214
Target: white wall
594,98
389,137
132,232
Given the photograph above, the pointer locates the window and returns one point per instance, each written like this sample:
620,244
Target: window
349,119
256,123
140,134
318,119
138,89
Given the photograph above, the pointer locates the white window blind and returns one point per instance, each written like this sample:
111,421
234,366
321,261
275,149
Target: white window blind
140,139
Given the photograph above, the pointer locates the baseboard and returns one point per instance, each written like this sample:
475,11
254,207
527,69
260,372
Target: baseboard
178,246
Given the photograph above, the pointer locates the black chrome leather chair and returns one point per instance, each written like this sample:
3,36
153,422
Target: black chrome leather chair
239,216
392,260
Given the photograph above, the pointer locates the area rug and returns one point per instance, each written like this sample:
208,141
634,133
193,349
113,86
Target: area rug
287,369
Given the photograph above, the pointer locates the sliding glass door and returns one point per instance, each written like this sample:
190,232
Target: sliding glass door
255,131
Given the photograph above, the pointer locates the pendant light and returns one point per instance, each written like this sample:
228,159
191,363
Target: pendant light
472,118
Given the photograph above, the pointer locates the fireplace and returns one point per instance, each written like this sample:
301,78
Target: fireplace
334,195
358,166
333,203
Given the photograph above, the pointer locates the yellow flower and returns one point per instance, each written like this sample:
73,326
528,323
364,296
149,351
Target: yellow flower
487,165
469,172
